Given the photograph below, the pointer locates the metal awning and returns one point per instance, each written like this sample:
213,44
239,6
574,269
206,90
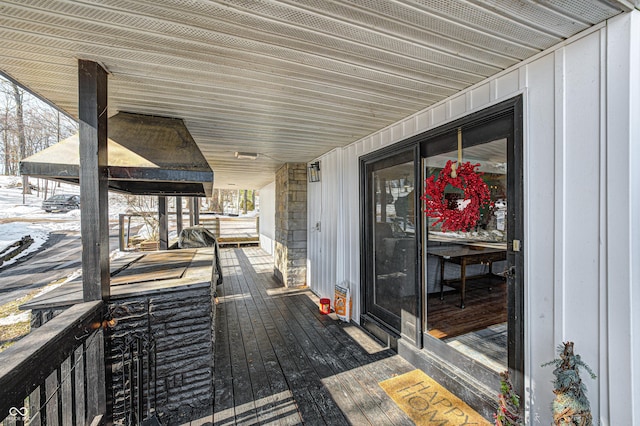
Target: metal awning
147,155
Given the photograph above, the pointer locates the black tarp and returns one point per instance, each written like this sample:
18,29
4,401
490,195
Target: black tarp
196,237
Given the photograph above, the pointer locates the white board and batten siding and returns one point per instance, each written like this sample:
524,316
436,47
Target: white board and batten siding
582,210
324,202
267,218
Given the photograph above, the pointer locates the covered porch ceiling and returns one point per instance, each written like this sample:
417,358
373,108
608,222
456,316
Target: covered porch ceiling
289,79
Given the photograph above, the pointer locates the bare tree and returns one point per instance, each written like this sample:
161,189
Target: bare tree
215,204
7,128
5,141
22,144
146,208
28,125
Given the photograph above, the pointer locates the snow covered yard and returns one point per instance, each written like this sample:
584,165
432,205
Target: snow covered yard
19,219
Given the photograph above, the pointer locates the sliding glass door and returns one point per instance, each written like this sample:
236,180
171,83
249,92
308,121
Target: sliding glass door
391,290
455,289
466,289
472,259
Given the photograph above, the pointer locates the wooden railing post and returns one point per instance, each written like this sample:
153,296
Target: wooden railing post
121,232
48,366
216,227
196,210
163,224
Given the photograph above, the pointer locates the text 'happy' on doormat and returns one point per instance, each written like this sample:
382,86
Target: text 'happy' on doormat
428,403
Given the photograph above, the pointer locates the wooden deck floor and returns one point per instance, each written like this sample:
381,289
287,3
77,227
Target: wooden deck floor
279,361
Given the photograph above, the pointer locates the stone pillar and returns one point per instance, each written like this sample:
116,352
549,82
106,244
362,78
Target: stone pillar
290,254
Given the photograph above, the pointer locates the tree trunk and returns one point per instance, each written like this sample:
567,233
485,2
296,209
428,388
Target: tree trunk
22,142
245,202
7,146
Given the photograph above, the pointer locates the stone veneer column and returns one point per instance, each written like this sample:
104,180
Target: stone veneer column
290,263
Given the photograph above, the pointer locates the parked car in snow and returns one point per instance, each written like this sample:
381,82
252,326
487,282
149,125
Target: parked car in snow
61,203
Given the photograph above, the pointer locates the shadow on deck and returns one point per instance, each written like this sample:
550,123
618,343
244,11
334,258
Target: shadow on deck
279,361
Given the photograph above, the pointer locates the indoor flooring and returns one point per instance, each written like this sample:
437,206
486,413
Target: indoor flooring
484,307
480,329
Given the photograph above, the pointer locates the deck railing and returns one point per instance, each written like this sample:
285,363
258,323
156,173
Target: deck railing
56,374
233,230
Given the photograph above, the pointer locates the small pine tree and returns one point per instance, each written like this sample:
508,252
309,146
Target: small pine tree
571,405
508,413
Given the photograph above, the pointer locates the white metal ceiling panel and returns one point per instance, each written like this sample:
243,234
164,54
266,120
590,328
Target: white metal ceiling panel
289,79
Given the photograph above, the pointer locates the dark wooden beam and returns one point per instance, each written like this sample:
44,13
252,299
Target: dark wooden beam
179,214
94,222
94,216
194,211
163,223
121,232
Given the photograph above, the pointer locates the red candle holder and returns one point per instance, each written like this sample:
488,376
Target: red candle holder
325,306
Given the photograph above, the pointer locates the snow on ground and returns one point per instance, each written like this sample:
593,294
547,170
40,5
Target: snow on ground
22,215
18,219
15,318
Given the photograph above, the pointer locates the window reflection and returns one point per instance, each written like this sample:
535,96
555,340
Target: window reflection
394,239
464,281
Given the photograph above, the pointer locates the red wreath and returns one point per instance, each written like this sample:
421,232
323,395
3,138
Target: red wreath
476,196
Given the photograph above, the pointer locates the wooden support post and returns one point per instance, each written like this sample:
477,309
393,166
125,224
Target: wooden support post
216,227
121,232
191,209
94,208
179,214
94,215
196,210
163,223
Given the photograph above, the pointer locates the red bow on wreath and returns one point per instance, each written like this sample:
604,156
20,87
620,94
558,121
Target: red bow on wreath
476,196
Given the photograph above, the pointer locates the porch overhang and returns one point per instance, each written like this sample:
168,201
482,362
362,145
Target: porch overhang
147,155
286,80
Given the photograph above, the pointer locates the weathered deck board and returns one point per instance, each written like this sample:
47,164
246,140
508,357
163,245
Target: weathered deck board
271,388
279,361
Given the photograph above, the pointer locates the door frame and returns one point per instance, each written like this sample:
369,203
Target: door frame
509,115
410,326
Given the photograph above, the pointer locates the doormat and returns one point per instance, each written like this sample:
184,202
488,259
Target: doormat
427,403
